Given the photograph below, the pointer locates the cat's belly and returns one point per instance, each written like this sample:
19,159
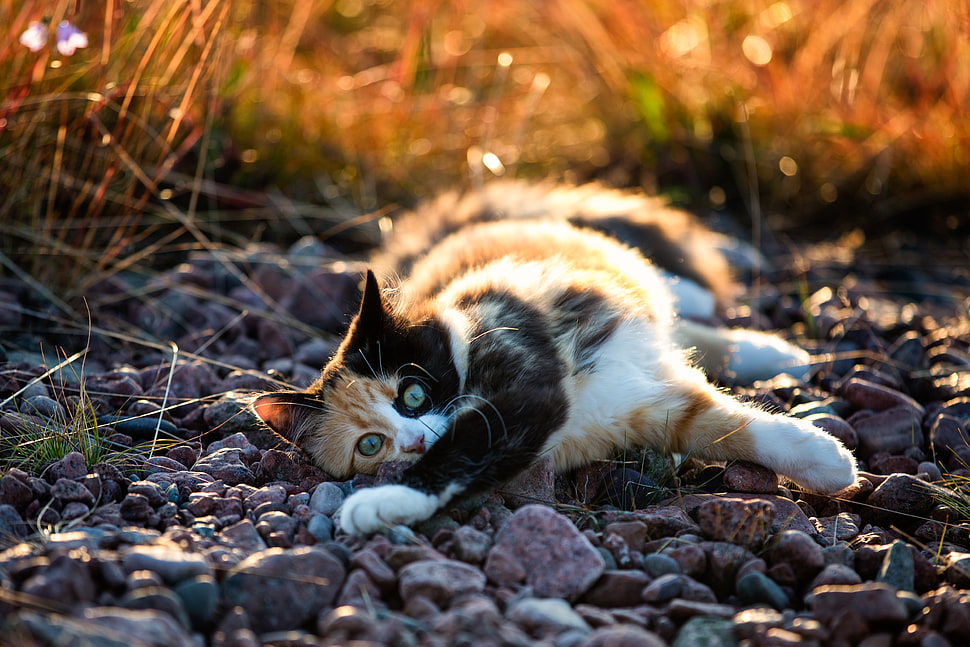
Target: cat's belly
623,401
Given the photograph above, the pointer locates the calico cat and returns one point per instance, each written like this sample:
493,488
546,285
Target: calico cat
521,326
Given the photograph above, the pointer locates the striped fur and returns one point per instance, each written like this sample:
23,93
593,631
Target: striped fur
527,332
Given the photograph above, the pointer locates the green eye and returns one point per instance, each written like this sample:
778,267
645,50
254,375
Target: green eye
413,397
370,444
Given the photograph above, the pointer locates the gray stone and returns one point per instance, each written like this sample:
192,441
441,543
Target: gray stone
321,527
657,564
622,635
545,617
11,523
327,498
706,632
200,597
170,562
898,568
755,588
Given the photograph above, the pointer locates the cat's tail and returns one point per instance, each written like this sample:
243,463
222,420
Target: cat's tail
739,355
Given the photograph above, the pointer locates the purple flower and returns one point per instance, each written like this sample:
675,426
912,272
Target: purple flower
70,38
35,36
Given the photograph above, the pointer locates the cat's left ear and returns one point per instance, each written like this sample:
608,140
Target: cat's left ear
285,413
369,323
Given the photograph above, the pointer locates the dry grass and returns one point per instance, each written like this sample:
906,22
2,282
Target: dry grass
195,124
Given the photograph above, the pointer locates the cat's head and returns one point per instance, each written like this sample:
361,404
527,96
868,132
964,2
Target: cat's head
384,396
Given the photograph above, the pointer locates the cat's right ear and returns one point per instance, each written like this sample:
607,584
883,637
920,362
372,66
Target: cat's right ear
369,323
285,413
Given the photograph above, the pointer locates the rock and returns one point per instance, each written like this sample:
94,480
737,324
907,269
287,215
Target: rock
706,632
863,394
835,574
751,624
11,523
276,465
664,588
15,493
957,569
841,527
741,476
72,466
618,588
327,499
742,522
200,597
65,580
156,598
657,564
440,580
470,545
534,485
281,589
629,489
690,557
903,497
545,550
898,569
226,465
545,618
758,588
893,430
666,521
947,435
69,490
624,635
798,550
230,413
102,626
170,562
136,508
875,602
321,527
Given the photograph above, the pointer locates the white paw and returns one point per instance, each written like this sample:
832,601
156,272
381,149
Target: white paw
759,356
810,456
373,509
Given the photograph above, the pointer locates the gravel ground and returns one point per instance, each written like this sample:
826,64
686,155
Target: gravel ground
224,536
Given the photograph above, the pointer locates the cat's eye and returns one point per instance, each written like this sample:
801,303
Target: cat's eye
414,397
370,444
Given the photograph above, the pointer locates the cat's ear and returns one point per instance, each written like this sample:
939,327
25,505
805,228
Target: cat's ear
285,413
369,323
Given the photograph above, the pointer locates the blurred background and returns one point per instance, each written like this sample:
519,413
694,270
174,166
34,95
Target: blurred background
197,124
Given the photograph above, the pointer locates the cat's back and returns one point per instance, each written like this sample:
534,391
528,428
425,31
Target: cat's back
457,232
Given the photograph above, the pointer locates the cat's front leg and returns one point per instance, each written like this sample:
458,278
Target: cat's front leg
484,448
372,509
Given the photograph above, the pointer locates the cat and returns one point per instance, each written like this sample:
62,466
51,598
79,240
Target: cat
521,326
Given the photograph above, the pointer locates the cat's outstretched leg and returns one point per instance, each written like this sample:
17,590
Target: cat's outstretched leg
715,426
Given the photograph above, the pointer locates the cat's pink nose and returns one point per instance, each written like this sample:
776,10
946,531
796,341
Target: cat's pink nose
416,447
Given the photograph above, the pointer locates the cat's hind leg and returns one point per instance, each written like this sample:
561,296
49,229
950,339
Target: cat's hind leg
710,424
741,355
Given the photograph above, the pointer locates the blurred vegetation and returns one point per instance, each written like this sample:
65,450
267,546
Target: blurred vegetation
189,124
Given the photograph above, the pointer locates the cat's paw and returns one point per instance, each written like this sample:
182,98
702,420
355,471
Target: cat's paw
373,509
806,454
